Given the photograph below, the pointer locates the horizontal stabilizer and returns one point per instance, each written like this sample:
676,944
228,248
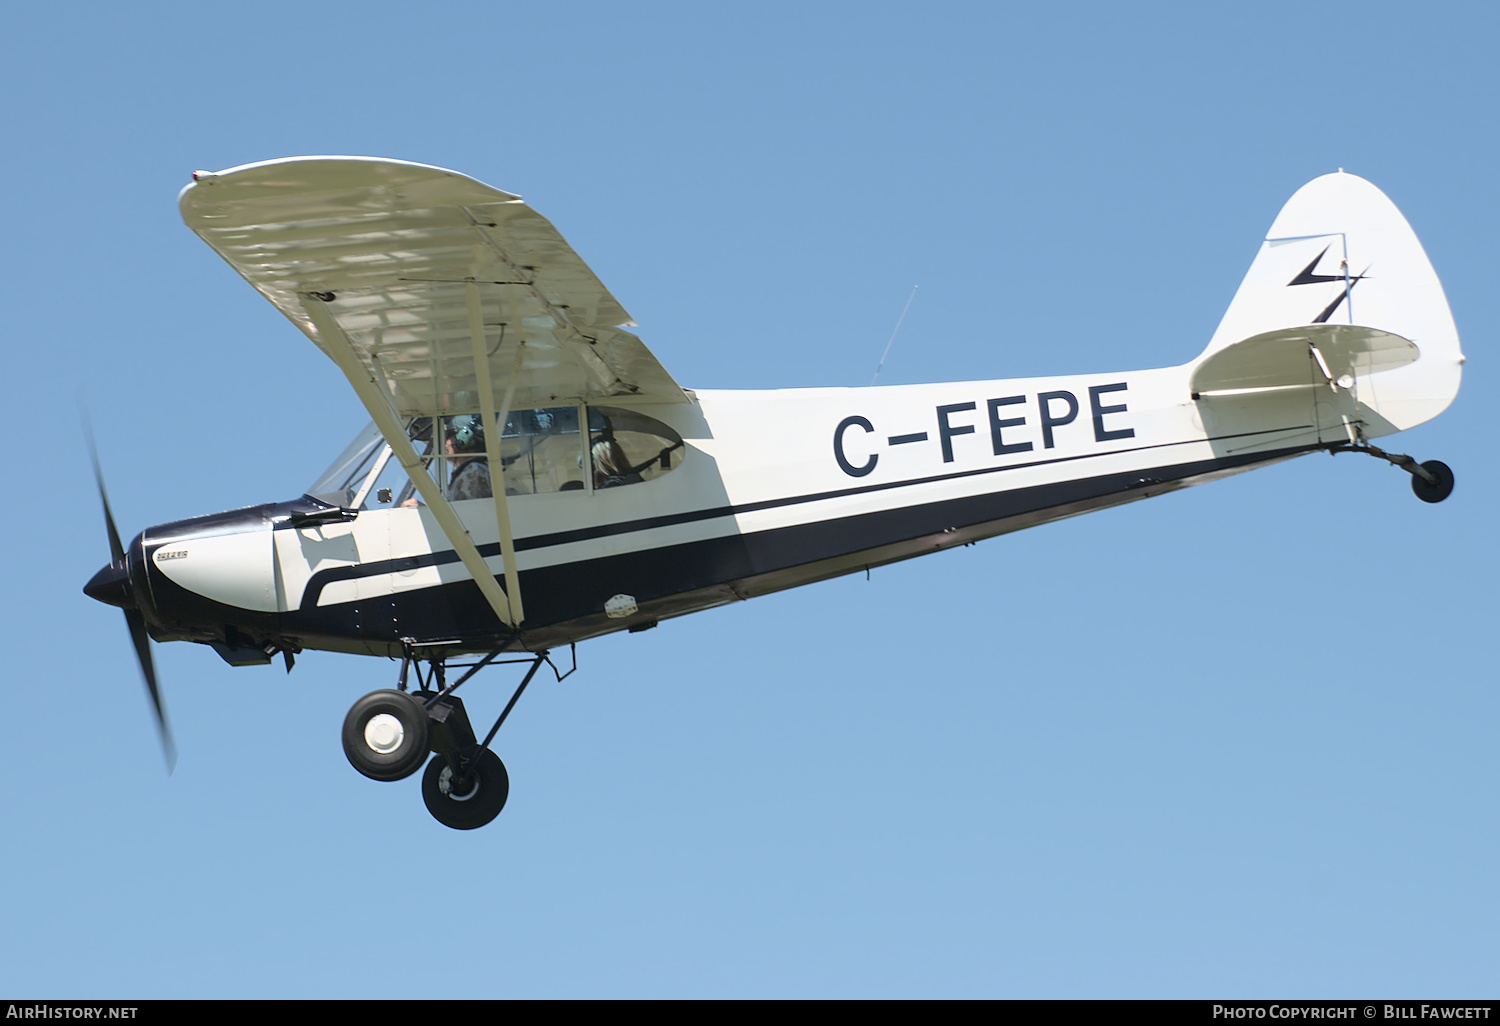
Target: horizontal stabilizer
1312,354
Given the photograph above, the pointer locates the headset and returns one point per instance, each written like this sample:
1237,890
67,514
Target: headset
467,432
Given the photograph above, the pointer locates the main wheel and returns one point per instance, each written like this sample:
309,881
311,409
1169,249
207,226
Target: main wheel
485,789
1439,488
387,735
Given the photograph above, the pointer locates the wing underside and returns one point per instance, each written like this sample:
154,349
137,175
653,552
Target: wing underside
396,252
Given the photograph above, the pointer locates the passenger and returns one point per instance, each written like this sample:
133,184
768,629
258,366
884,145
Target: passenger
611,467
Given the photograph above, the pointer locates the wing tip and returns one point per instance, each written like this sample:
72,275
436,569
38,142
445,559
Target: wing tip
263,172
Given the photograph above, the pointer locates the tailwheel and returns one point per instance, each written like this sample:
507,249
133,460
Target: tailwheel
1431,481
1438,484
387,735
471,801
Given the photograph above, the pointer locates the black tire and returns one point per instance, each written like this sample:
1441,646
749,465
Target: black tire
489,787
365,743
1439,488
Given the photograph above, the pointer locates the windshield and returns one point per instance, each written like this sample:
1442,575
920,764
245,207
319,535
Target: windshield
365,471
340,483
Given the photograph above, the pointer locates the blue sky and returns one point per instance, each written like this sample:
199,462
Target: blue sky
1233,742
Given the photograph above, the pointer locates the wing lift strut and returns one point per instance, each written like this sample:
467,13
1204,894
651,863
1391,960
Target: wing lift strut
376,399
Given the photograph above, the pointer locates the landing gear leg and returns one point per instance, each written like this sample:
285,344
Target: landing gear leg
466,785
1431,481
388,734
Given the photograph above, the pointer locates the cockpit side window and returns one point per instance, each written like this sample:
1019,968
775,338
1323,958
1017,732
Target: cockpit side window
626,447
541,451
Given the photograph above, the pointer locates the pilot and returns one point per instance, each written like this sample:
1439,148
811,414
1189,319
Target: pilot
470,477
471,471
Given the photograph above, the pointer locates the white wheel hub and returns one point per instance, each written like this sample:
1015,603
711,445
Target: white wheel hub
384,733
445,785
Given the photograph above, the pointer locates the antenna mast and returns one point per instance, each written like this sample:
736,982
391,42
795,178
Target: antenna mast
893,334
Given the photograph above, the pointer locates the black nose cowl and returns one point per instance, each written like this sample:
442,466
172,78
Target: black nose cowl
111,586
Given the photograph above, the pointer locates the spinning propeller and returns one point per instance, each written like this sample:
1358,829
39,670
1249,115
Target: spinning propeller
112,585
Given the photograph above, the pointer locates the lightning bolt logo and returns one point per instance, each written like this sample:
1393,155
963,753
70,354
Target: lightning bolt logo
1310,277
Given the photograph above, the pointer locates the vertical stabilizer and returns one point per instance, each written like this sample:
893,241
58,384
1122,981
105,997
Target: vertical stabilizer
1340,253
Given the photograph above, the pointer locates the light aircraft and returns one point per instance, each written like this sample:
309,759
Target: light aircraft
533,477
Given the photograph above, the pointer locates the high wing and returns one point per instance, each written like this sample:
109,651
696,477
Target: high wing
389,249
435,295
